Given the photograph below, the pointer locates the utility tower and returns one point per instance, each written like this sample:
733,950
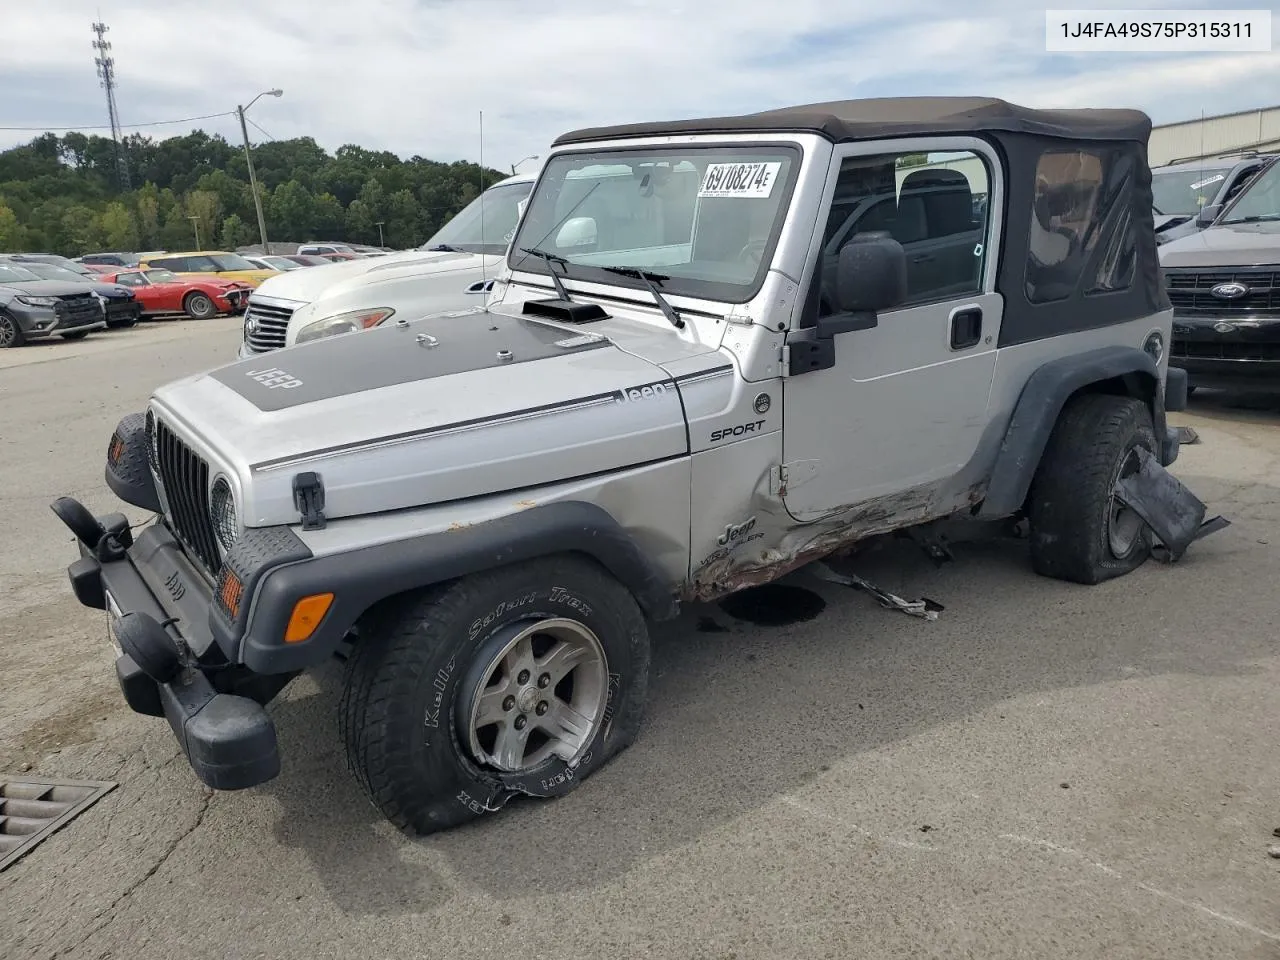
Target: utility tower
107,74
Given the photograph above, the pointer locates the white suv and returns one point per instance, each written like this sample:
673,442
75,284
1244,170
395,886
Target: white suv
451,271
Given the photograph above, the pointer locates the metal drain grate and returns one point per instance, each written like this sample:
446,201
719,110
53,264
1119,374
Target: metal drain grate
31,809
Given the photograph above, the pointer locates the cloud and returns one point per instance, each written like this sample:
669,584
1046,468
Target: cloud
412,76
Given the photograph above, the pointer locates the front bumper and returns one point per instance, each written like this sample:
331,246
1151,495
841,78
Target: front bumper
122,312
39,323
166,664
1234,353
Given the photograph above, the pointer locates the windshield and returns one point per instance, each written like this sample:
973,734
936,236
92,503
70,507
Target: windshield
471,233
704,219
1260,200
50,271
12,273
162,276
232,261
280,263
1184,192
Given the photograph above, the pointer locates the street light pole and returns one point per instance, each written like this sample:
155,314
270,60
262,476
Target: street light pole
379,226
518,162
253,179
195,225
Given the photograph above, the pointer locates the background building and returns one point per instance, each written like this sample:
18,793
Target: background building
1214,136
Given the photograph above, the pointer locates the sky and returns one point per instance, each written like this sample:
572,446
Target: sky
415,76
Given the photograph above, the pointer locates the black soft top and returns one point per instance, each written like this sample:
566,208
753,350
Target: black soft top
873,119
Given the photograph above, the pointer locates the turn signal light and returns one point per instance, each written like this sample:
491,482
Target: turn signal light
116,450
230,592
306,616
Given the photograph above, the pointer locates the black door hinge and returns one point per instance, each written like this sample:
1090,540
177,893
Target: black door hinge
308,499
806,356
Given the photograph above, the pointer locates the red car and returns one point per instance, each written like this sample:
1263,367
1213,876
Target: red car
163,292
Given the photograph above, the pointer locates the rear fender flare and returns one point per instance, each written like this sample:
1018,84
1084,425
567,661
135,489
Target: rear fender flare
1127,371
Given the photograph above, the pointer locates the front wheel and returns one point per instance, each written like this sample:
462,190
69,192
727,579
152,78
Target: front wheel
1080,530
10,333
521,680
198,306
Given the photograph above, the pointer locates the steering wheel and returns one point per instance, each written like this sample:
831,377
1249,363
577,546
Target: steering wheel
753,252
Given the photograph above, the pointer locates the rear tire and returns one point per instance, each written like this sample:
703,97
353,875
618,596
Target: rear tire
443,722
11,334
1079,531
199,306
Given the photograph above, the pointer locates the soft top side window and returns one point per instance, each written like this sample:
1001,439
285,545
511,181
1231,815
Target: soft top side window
1082,201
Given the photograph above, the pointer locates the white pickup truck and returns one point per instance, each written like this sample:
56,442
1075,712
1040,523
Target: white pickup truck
451,271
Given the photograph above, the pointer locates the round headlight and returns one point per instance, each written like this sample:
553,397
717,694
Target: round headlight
222,511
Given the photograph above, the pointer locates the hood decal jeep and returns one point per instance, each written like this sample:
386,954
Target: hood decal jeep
397,354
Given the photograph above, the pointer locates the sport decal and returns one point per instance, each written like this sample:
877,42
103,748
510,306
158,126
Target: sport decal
739,179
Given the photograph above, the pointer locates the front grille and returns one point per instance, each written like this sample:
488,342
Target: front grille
266,326
1224,350
185,478
79,308
1191,296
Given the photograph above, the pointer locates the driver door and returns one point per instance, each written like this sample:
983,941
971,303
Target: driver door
902,409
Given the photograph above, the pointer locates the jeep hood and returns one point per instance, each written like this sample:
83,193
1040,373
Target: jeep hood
309,283
1225,245
449,407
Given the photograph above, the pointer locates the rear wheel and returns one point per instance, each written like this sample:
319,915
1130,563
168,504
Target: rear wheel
521,680
1080,530
199,306
10,333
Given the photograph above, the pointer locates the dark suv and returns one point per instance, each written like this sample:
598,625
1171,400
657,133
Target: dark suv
1224,282
1187,195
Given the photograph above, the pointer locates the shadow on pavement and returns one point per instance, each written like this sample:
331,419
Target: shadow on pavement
739,718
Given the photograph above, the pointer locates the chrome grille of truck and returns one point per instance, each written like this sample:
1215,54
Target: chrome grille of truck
265,326
1191,292
184,476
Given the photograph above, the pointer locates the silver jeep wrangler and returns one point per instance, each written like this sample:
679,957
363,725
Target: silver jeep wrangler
719,349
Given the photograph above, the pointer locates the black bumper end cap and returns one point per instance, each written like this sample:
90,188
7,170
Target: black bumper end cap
86,583
1175,389
141,693
231,743
79,520
146,642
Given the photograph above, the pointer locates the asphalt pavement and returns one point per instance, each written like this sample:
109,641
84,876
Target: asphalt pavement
1045,771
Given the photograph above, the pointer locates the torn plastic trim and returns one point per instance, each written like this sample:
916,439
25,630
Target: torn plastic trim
1175,515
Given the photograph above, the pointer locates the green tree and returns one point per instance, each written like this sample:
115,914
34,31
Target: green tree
177,233
205,205
360,223
235,233
117,227
291,212
12,236
327,217
401,229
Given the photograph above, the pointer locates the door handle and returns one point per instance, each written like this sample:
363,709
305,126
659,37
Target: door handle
966,326
924,258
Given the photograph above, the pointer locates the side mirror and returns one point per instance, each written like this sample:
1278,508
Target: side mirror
1208,213
871,275
578,232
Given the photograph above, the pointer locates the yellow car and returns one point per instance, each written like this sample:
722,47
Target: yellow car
229,266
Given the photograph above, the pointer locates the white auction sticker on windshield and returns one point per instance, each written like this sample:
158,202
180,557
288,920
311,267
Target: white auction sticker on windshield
1205,183
739,179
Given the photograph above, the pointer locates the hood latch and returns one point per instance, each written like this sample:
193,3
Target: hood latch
308,499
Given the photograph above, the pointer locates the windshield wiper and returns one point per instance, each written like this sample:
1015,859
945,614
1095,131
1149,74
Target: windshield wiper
550,259
651,281
1256,218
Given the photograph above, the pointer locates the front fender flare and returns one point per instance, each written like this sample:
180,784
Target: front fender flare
360,578
1044,395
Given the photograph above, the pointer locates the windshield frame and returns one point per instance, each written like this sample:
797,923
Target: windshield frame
1196,174
1267,170
712,291
495,249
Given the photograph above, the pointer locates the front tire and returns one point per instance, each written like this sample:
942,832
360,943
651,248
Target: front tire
11,334
521,680
198,306
1080,531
